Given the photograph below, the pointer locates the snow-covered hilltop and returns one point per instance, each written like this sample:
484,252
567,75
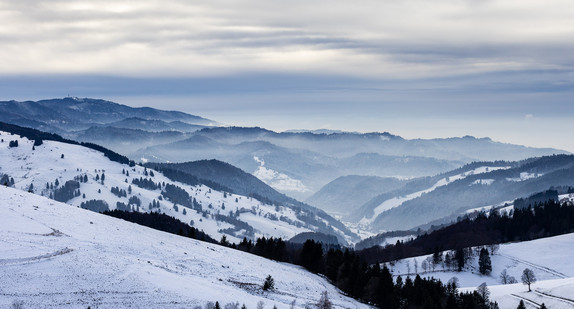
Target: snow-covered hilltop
77,175
57,255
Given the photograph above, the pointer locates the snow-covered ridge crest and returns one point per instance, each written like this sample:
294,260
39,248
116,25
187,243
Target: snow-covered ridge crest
37,170
57,255
397,201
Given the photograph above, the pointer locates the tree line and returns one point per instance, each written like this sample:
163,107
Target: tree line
547,219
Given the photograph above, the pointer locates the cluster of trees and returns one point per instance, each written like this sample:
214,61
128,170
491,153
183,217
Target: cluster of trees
81,178
146,183
95,205
238,225
543,220
98,178
68,191
134,204
153,204
119,192
6,180
177,195
13,143
123,207
270,248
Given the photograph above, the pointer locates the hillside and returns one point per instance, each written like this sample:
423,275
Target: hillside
477,185
234,180
57,255
75,174
549,259
345,194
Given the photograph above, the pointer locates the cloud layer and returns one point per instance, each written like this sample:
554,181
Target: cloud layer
372,39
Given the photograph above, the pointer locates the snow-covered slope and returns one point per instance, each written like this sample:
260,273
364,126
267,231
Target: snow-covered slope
549,258
57,255
398,201
440,199
53,161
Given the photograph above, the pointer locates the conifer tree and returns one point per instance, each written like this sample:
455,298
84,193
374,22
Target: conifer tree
269,283
521,305
484,263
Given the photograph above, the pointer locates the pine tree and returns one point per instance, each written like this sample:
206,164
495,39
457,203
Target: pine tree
459,257
269,283
521,305
484,263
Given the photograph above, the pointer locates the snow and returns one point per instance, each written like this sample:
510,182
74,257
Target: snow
566,198
524,176
549,258
57,255
504,207
397,201
45,165
393,240
277,180
486,182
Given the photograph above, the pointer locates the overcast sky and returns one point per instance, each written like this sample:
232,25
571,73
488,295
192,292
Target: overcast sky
415,68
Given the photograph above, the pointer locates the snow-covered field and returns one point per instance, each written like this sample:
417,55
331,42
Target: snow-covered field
551,259
45,164
54,255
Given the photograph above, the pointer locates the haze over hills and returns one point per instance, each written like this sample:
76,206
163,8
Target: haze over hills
342,195
446,196
295,163
298,164
75,174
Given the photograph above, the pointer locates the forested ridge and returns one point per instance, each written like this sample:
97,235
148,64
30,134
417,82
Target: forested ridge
547,219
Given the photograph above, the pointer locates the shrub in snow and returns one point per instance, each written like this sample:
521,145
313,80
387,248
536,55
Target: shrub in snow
324,302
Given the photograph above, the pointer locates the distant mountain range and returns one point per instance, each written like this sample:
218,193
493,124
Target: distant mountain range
301,164
72,114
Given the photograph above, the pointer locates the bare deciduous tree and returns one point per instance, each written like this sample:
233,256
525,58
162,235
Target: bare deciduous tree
528,277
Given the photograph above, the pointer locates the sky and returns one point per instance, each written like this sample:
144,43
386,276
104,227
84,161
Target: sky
415,68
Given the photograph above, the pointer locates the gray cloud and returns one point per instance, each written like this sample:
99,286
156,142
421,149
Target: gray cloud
403,39
408,66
